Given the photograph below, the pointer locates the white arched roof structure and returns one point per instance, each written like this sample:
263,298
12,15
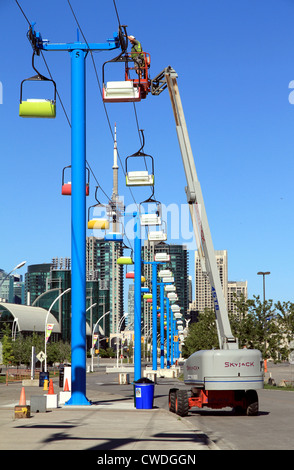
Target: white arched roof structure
30,318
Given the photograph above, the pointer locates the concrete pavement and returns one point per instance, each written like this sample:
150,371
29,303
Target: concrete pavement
111,423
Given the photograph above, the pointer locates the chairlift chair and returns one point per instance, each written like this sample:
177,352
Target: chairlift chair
125,260
158,235
175,307
168,279
147,296
100,223
131,275
129,89
139,177
172,296
164,273
66,187
37,108
162,257
114,236
170,288
145,289
151,218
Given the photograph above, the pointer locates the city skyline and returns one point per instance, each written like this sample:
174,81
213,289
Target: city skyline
239,111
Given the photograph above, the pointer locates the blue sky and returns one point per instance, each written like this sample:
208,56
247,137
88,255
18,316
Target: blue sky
234,59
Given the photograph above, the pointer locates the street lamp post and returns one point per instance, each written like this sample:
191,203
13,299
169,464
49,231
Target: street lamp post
92,358
263,274
117,335
20,265
57,298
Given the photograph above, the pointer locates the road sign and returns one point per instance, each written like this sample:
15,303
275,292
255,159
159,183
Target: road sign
41,356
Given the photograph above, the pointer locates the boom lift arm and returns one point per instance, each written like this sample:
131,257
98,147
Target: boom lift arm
168,79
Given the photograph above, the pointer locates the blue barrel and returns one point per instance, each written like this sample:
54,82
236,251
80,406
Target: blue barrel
144,394
43,376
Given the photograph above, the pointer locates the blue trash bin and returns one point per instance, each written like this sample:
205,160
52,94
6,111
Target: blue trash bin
144,394
43,376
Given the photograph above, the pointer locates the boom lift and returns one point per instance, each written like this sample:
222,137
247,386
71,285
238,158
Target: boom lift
228,376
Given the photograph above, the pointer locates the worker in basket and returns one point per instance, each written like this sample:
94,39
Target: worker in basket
139,61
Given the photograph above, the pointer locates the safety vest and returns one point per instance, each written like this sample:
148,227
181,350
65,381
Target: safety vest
136,48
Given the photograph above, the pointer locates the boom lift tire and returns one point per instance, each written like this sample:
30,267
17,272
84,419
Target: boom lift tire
252,406
172,399
182,403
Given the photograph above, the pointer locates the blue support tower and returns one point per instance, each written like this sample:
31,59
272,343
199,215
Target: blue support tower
78,53
162,325
137,297
154,312
78,228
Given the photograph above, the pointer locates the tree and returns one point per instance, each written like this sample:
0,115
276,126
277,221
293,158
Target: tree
201,335
7,351
22,347
256,326
58,352
285,320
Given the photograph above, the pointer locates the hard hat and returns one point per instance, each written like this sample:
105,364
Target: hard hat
132,37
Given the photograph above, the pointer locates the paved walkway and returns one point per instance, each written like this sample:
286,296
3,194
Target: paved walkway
112,423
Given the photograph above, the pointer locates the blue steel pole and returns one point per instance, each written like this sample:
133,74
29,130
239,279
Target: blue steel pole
78,230
154,316
161,325
171,337
167,335
177,342
137,297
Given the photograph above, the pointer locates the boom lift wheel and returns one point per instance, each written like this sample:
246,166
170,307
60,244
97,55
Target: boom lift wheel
172,399
252,406
182,403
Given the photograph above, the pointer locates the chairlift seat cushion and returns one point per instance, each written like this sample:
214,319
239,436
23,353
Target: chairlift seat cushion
113,236
139,178
157,236
162,257
98,224
150,219
130,275
125,260
35,108
66,189
123,91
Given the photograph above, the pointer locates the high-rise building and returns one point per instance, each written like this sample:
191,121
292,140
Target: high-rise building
102,258
58,281
236,290
36,281
178,265
11,288
203,296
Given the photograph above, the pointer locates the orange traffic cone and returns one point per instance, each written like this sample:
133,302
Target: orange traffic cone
51,388
66,387
22,400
